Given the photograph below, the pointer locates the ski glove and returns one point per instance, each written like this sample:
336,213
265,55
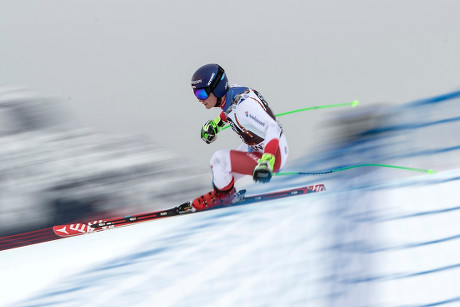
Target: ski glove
264,170
210,130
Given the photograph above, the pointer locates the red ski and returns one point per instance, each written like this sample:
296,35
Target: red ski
76,229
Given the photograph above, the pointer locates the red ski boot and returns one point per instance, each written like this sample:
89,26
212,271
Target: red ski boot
214,198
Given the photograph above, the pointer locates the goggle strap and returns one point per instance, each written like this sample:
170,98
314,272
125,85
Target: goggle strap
220,73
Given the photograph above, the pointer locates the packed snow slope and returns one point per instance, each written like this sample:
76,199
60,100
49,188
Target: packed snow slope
378,236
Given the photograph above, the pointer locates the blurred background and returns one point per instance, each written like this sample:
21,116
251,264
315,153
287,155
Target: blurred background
83,81
97,117
54,171
126,67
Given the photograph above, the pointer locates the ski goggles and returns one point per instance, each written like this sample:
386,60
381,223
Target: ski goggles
202,93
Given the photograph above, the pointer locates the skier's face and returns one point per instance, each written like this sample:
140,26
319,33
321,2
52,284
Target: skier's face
209,102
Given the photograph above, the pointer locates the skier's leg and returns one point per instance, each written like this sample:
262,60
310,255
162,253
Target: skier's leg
244,162
221,170
230,165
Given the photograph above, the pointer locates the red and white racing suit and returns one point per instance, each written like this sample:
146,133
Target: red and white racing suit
251,118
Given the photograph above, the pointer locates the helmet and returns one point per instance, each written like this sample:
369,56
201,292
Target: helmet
211,77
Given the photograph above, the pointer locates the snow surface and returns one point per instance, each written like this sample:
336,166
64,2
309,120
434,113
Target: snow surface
376,237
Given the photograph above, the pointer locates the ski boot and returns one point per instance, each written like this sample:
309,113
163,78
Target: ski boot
211,199
214,198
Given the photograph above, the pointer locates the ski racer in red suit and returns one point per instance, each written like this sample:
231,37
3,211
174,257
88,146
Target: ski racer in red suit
264,149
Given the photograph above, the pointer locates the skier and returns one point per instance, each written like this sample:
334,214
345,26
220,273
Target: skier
264,149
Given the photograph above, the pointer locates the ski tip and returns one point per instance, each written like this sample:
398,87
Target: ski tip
354,103
317,188
71,230
61,230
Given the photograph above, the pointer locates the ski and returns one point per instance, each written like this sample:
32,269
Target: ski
76,229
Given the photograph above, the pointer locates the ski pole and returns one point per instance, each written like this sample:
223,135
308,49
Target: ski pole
347,104
428,171
337,105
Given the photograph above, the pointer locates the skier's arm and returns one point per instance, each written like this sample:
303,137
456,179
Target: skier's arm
267,127
271,148
264,169
271,131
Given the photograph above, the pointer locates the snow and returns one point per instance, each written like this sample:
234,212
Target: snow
376,237
184,260
278,253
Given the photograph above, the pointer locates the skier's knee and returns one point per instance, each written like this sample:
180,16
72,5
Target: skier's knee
221,159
